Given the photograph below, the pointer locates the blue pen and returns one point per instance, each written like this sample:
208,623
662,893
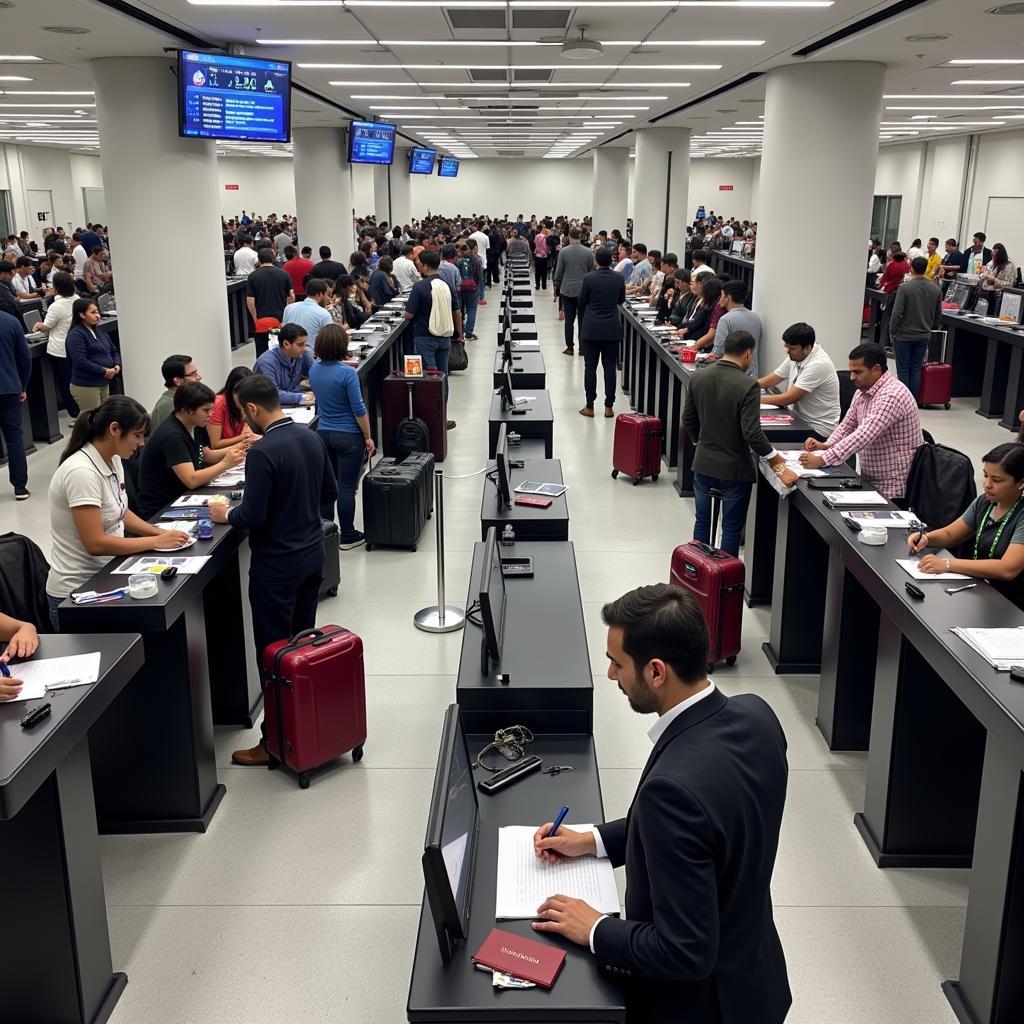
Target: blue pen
558,821
4,670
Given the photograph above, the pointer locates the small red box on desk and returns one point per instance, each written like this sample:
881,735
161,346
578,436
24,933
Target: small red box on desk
524,958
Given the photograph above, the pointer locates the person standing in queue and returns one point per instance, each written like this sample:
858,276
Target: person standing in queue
601,294
288,479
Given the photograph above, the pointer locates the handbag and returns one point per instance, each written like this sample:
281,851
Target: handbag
458,357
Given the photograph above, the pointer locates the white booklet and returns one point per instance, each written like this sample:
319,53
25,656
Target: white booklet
910,565
525,882
544,490
1002,648
834,498
892,517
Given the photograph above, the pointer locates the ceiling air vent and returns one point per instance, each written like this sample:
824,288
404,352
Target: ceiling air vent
510,152
470,19
541,19
487,75
526,75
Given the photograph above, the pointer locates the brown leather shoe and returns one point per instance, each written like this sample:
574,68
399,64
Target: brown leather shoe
254,757
587,411
567,351
609,412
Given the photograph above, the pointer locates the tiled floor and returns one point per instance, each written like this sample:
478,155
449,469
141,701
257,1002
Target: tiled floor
301,906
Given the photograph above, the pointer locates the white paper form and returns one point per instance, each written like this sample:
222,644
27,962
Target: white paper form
910,565
1002,648
525,882
185,564
37,675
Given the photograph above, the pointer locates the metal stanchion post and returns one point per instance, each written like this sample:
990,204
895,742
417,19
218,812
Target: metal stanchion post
441,617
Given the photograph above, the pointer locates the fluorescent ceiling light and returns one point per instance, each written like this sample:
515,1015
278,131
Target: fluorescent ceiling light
527,86
697,42
16,58
1014,61
47,104
503,99
567,108
989,81
43,92
15,78
948,96
946,125
1007,106
510,67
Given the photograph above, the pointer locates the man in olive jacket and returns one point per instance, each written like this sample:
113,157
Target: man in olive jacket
723,417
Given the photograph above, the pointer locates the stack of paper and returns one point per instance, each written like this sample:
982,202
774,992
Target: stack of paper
835,498
793,462
524,882
233,477
892,517
1001,648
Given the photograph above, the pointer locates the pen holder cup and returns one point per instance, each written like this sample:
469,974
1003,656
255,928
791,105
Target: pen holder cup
142,585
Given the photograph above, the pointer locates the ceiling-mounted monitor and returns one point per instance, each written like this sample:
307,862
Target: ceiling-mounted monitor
448,167
221,96
421,161
371,142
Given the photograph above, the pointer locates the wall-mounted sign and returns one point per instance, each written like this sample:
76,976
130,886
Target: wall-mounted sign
231,188
726,188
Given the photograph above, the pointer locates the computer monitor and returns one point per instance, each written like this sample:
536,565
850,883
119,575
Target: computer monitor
1012,305
507,398
492,603
501,465
449,850
959,292
506,345
737,245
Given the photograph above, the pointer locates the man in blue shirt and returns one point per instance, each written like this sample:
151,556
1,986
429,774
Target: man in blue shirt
288,366
15,370
309,314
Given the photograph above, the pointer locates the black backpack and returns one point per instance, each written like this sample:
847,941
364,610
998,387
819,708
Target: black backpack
940,485
412,433
458,358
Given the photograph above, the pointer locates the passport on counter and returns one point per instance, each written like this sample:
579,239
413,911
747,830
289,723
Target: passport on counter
523,958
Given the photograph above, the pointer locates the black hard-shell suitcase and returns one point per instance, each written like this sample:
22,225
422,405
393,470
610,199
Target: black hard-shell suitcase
332,561
397,501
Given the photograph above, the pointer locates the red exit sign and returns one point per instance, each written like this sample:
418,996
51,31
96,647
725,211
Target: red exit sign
234,188
721,188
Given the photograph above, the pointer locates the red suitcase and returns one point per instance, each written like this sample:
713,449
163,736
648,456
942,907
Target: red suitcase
936,379
715,578
636,450
315,706
428,404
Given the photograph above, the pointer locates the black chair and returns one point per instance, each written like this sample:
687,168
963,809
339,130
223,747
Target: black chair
847,389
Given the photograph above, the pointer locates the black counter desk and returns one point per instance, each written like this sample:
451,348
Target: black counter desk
528,370
534,419
551,687
459,992
200,670
57,964
519,333
530,524
42,393
239,321
739,268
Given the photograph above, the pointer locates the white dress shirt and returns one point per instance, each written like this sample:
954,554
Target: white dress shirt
655,733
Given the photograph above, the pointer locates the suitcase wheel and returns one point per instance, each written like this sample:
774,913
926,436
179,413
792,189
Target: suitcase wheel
615,474
711,667
272,763
731,660
331,592
357,754
413,547
654,479
636,481
303,781
947,405
369,547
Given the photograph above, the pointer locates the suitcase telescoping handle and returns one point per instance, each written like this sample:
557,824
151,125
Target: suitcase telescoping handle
716,510
944,335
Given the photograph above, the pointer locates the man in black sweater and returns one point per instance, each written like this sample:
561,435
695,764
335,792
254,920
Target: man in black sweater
287,481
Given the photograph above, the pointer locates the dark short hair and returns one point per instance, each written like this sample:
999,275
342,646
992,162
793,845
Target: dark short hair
700,254
953,242
325,252
191,394
665,622
575,234
735,290
448,251
799,334
6,267
64,284
315,286
344,281
739,342
290,252
683,275
81,306
603,257
258,390
934,239
291,332
23,261
430,258
407,250
265,255
919,264
640,247
386,263
1010,456
173,366
899,255
671,259
331,343
981,236
307,248
872,355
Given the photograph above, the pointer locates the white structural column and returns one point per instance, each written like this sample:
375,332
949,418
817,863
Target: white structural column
661,182
817,166
401,189
150,175
323,190
382,193
611,189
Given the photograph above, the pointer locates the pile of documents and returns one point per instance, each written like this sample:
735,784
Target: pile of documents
1001,648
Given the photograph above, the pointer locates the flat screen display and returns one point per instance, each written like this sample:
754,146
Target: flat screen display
225,97
448,167
421,161
371,142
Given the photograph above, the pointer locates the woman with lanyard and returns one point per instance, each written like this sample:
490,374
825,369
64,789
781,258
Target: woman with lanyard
88,502
992,528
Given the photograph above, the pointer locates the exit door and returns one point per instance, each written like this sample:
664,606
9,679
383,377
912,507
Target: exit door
40,212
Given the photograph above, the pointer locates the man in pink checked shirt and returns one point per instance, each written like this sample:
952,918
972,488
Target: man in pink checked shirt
882,427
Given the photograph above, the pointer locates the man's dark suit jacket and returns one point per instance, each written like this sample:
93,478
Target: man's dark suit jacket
601,294
698,944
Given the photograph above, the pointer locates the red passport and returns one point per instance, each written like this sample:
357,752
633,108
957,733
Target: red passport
534,961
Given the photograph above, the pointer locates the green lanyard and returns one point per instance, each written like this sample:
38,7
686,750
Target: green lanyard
999,532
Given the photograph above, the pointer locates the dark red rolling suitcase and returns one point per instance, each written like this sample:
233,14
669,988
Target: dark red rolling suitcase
427,404
936,379
715,578
636,450
315,699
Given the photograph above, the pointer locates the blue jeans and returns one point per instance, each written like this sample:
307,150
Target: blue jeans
470,300
345,452
435,353
54,603
909,357
480,288
10,426
734,509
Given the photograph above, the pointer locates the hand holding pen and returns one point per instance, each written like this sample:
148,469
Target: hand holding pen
9,688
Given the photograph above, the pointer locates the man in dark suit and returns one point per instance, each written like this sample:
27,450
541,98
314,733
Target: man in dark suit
698,944
722,413
601,294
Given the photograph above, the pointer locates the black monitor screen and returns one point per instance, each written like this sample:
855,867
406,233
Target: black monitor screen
449,848
501,466
507,398
371,142
226,97
492,600
421,161
506,346
448,167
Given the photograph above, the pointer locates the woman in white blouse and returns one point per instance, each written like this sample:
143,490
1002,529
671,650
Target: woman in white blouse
999,273
89,504
55,326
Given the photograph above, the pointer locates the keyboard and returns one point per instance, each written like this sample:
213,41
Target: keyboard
517,566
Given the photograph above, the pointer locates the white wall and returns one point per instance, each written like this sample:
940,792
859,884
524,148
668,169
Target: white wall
996,205
86,172
265,185
898,173
706,177
942,188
